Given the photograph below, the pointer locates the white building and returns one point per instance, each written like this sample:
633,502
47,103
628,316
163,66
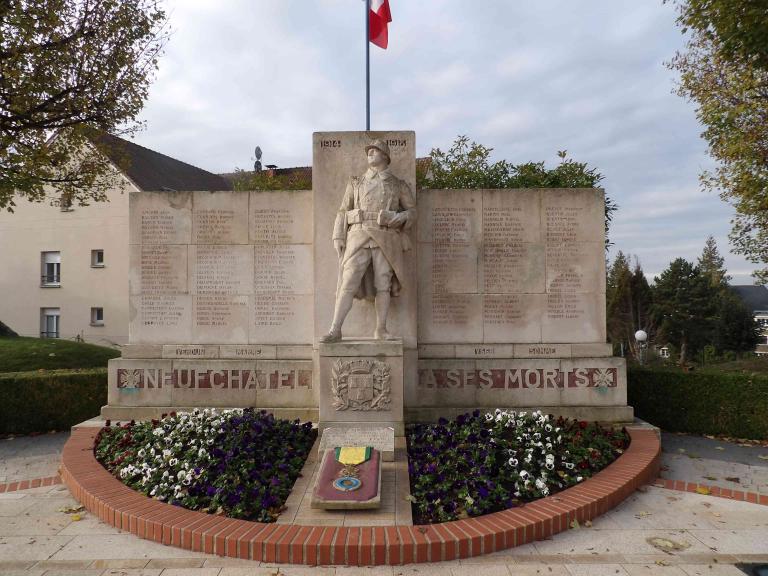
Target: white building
64,271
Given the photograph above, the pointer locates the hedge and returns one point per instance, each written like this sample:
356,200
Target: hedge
50,400
729,404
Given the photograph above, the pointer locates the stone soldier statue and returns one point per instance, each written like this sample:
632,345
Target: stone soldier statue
368,238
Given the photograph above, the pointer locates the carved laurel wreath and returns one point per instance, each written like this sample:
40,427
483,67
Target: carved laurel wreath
380,373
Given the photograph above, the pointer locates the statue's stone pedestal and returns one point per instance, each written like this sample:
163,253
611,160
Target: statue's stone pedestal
361,384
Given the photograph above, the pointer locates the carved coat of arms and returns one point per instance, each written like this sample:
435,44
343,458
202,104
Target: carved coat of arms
361,385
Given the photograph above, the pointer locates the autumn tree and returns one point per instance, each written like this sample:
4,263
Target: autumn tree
724,71
69,71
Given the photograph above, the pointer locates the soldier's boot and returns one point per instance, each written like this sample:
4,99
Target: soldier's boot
382,310
343,306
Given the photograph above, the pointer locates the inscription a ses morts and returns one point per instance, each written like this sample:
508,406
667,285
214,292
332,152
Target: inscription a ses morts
515,378
145,378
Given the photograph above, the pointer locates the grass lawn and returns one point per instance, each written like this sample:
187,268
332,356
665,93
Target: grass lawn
26,354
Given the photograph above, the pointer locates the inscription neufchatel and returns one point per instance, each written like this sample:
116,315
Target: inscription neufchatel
232,379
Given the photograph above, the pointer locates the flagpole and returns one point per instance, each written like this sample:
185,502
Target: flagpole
367,65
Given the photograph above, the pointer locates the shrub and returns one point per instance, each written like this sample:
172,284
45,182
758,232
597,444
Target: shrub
699,402
25,354
45,401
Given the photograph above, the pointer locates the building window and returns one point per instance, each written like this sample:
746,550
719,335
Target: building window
97,316
51,269
49,322
97,258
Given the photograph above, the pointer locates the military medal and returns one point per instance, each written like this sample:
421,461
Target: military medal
350,457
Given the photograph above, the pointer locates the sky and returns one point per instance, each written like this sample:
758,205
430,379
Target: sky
524,78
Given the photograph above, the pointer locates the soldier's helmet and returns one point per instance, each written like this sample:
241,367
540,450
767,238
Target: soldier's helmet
382,146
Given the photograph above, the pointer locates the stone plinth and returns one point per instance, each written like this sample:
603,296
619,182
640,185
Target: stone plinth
592,388
361,384
381,438
367,496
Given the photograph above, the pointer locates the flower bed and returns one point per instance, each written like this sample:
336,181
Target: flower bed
477,464
240,463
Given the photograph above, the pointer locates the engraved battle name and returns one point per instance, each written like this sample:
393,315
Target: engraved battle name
518,378
232,379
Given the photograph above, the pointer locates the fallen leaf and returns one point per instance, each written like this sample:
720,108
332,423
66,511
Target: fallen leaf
703,490
763,456
76,517
712,478
716,514
733,479
667,545
588,524
719,448
662,563
72,509
681,450
706,504
643,514
693,456
575,524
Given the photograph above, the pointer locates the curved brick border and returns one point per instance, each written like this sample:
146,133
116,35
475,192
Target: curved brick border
27,484
116,504
716,491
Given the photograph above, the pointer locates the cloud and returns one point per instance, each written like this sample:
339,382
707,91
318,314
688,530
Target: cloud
526,79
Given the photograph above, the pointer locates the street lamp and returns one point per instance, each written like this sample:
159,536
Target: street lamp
642,338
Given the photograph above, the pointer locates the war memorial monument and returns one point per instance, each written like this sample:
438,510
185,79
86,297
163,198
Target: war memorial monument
365,303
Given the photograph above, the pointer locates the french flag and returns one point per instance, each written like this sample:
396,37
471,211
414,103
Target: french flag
379,16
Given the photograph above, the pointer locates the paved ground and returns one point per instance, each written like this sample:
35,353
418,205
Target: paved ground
655,531
707,461
25,457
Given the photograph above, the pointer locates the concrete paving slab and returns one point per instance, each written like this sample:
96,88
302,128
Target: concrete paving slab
131,572
652,570
741,541
711,570
34,525
103,546
191,572
596,570
89,524
31,547
26,457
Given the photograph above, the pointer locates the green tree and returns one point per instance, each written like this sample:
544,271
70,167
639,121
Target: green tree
468,164
70,70
712,265
628,301
736,328
266,180
684,308
724,70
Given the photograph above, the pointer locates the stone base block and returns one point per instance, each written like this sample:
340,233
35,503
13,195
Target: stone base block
379,437
270,383
361,383
366,497
604,414
128,413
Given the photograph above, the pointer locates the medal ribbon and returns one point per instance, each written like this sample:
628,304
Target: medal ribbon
353,454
